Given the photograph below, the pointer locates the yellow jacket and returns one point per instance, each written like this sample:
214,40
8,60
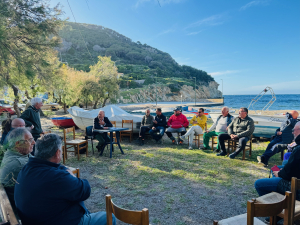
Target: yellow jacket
201,121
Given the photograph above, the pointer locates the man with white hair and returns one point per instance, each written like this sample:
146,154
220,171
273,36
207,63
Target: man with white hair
47,193
219,127
31,116
20,145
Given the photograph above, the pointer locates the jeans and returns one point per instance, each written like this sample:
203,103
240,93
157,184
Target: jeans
98,218
273,148
241,145
143,130
191,132
170,130
207,136
266,185
154,134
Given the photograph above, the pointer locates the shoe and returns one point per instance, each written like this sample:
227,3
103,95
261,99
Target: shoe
261,160
232,155
190,148
278,219
173,141
180,142
204,148
183,137
222,154
142,143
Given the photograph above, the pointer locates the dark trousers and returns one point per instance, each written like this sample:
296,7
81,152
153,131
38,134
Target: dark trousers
143,131
274,147
241,146
155,136
102,138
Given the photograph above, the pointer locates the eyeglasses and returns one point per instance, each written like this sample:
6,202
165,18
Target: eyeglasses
30,140
241,111
200,112
295,129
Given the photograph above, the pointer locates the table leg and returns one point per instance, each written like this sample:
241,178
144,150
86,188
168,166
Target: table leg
118,141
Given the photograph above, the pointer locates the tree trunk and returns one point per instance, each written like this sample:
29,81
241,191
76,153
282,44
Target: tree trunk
104,102
65,108
27,95
16,100
96,103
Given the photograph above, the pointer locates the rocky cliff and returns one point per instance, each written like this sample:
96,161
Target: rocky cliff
164,94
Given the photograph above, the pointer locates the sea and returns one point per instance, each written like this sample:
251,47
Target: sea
282,102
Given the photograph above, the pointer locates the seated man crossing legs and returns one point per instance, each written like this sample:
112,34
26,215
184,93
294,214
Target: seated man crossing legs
198,124
159,125
146,125
177,124
241,129
219,127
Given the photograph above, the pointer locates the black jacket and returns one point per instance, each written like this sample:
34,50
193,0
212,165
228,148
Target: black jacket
161,121
98,126
31,116
292,169
286,129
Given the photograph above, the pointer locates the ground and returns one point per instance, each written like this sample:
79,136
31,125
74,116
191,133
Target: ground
177,185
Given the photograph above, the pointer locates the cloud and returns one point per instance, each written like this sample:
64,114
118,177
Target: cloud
219,73
253,3
160,2
166,32
209,21
194,33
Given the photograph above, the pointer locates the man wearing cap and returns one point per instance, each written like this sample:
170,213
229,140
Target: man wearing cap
177,124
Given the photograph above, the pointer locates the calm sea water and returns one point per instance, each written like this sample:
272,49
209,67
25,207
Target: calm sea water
282,101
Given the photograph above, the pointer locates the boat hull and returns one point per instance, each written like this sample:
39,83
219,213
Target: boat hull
63,122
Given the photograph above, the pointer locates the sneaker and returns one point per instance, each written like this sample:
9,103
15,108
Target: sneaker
204,148
190,148
232,155
261,160
222,154
278,219
180,142
173,142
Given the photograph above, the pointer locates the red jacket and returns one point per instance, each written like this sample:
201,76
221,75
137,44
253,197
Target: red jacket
178,121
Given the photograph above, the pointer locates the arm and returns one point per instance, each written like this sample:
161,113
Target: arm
230,127
185,122
286,171
193,120
143,121
107,122
203,121
26,115
214,125
96,124
249,131
170,121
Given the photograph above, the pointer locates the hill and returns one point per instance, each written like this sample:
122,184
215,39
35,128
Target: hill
135,60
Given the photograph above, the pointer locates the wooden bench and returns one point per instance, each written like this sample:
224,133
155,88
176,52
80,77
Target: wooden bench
7,214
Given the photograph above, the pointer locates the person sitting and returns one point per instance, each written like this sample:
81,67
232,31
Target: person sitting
46,192
6,126
17,122
159,125
146,125
177,124
283,137
20,145
241,129
281,181
219,127
198,125
101,122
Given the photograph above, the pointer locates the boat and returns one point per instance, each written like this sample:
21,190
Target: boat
63,122
84,118
265,125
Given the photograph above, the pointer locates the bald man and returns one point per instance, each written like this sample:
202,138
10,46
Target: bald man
18,122
283,137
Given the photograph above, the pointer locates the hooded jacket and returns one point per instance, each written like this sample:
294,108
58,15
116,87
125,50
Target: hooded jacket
178,121
286,129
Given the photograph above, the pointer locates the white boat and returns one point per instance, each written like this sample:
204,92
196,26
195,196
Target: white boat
84,118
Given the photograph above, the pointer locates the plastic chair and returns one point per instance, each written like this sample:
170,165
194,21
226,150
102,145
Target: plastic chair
89,135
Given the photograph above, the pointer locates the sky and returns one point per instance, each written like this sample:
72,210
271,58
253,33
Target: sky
246,45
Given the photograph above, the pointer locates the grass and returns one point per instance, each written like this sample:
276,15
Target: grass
170,179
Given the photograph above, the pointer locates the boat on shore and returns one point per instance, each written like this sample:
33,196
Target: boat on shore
63,122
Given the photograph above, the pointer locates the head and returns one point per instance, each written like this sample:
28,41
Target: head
177,112
18,122
294,114
225,111
49,148
200,112
20,140
101,114
147,112
37,102
243,112
158,111
296,130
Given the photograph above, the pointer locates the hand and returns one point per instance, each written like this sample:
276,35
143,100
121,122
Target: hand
71,172
206,131
105,128
275,173
155,121
153,128
101,122
194,122
279,133
32,127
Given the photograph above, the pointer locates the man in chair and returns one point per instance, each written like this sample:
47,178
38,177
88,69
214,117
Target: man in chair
241,129
101,122
177,124
159,125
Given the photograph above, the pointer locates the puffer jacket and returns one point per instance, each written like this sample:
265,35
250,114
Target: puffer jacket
241,127
286,129
178,121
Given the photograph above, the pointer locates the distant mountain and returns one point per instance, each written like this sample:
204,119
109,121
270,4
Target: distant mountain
137,61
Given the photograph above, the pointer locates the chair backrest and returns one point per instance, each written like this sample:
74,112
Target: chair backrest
126,216
128,121
114,123
256,209
295,185
68,130
89,131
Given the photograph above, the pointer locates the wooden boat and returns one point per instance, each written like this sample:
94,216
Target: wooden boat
63,121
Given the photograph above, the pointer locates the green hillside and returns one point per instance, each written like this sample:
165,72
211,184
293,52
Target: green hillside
136,60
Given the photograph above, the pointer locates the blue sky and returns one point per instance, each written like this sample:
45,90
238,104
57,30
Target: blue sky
247,44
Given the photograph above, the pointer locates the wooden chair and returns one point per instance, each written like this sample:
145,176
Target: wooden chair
197,137
214,141
274,196
256,209
64,154
232,144
74,143
114,123
46,132
74,171
126,216
7,214
127,133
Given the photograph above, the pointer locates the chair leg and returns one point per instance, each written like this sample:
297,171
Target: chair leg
78,155
64,156
87,147
92,145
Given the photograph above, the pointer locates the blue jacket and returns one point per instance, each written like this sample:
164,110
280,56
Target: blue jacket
161,121
286,128
45,193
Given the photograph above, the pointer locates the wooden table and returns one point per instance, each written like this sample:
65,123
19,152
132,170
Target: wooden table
111,130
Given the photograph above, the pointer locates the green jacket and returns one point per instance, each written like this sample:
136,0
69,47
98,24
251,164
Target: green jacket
241,127
11,165
31,116
147,121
